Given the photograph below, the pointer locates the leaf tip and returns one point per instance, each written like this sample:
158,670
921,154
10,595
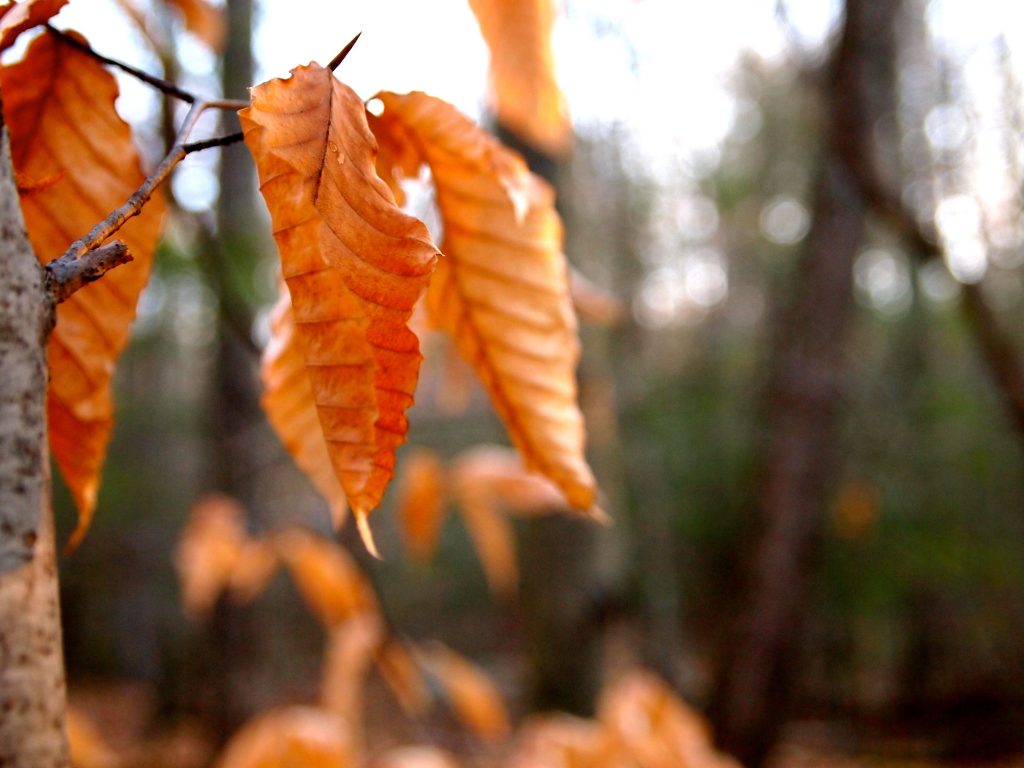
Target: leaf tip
363,525
598,515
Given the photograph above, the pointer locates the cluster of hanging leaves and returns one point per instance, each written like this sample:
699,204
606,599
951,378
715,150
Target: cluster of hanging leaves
487,484
342,366
640,722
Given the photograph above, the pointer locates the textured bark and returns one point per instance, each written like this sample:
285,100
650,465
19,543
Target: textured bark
805,389
32,697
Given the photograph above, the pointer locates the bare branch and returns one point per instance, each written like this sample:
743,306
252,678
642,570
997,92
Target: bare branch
157,82
63,278
217,141
140,197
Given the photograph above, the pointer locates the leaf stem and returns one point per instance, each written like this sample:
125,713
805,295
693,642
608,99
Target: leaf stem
336,61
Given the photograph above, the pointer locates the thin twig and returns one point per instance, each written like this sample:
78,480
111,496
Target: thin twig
217,141
63,278
157,82
336,61
134,204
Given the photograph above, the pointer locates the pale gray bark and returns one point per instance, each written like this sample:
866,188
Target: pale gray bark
32,697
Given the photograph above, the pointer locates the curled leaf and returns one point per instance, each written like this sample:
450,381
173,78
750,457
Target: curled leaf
421,501
208,550
527,98
502,290
350,653
21,17
593,304
294,736
496,472
398,669
288,402
473,696
203,20
59,107
355,266
326,577
415,757
655,727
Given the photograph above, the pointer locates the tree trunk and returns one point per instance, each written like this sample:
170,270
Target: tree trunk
805,388
233,640
32,696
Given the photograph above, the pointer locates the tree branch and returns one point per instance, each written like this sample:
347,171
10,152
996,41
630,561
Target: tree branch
217,141
63,278
157,82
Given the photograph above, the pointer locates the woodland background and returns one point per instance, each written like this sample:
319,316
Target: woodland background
806,420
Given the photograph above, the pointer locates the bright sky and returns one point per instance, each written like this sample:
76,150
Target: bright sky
659,70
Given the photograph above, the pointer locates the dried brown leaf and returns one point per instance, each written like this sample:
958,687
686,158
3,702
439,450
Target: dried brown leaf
502,290
473,696
295,736
415,757
526,96
203,20
401,674
288,403
59,107
326,576
23,16
208,550
498,472
655,727
355,266
350,653
421,501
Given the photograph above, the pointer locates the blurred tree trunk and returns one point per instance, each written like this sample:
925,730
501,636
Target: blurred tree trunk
32,697
232,640
805,389
563,644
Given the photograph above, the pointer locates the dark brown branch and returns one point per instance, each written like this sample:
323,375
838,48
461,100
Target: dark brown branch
63,278
336,61
157,82
217,141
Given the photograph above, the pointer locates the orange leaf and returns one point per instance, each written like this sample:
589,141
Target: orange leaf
326,577
526,94
498,473
565,741
203,20
208,551
473,696
355,266
421,501
653,725
255,566
350,653
295,736
502,291
288,402
415,757
398,668
87,747
593,304
21,17
492,536
59,106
